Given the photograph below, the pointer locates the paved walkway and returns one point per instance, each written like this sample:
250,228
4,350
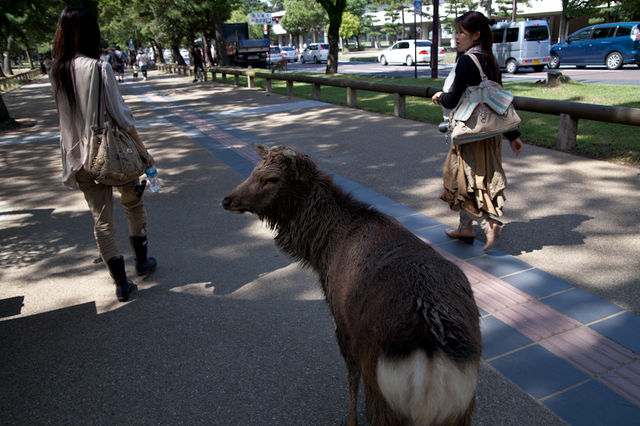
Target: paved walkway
230,331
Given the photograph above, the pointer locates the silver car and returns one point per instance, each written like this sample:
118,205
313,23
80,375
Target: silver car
521,44
315,52
289,53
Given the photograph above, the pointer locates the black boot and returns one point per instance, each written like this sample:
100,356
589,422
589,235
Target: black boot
123,286
144,265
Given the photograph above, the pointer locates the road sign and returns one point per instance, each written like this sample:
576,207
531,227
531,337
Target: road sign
260,18
417,6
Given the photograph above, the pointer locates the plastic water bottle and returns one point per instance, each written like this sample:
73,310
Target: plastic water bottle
154,182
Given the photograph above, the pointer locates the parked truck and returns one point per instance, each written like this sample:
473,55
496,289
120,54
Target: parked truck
241,50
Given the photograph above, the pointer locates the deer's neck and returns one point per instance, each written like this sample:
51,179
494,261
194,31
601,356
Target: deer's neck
315,226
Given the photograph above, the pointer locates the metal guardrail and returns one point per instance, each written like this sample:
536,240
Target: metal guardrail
12,80
569,112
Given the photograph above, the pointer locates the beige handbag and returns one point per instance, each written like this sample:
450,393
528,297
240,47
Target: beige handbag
484,111
114,157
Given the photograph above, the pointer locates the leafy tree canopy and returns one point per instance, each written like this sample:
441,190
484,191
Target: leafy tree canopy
303,16
350,26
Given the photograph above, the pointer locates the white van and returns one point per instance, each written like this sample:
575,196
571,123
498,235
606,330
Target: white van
521,44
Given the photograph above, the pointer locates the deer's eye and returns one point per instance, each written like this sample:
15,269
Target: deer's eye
272,180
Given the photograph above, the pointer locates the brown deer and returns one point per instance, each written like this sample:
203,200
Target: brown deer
281,64
406,320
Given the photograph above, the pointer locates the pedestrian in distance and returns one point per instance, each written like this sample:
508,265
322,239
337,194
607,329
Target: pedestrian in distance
118,62
198,63
142,60
474,180
77,50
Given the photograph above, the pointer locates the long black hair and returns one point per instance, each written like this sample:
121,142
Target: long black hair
77,33
471,22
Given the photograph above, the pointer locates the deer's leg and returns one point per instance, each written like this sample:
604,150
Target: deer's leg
353,378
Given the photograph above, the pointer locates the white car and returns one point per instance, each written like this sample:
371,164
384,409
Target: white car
315,52
407,53
168,55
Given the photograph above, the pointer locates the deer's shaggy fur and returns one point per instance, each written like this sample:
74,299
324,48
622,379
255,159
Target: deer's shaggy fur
406,320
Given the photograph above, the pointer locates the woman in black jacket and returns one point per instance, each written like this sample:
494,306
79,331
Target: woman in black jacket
474,181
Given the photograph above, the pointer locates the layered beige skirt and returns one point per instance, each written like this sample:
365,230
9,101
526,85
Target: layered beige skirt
474,180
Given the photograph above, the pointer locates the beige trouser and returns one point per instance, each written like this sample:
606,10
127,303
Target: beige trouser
100,200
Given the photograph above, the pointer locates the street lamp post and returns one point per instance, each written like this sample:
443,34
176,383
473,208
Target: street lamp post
417,8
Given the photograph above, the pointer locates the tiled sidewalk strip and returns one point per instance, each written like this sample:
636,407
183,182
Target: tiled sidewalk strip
626,380
533,323
582,404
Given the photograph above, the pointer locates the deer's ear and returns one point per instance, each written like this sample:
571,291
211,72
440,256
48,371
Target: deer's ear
261,149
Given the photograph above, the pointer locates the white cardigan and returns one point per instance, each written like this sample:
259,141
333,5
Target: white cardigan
75,126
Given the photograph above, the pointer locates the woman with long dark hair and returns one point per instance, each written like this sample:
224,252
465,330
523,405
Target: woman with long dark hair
474,181
75,82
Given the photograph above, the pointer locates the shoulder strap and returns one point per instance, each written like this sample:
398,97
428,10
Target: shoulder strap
475,61
99,115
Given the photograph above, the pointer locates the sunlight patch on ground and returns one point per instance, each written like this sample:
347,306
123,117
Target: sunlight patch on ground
196,289
258,229
411,133
257,233
381,166
291,282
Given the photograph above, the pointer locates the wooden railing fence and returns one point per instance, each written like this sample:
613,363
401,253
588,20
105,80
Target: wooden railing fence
569,112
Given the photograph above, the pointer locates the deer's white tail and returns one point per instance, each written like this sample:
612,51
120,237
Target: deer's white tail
427,389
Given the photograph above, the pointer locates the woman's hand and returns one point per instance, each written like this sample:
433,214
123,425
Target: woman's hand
516,146
150,160
134,134
436,98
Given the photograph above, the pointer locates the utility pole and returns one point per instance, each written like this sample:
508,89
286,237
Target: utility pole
435,40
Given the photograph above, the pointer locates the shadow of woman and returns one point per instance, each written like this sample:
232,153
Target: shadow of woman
556,230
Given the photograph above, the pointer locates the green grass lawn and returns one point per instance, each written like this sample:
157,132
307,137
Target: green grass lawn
615,142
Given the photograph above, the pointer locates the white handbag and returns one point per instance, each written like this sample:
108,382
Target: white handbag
484,111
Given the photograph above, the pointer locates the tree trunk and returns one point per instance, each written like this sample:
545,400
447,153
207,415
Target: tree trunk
488,7
333,39
157,52
334,10
28,49
205,47
7,57
221,47
562,32
435,42
176,55
6,122
514,10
